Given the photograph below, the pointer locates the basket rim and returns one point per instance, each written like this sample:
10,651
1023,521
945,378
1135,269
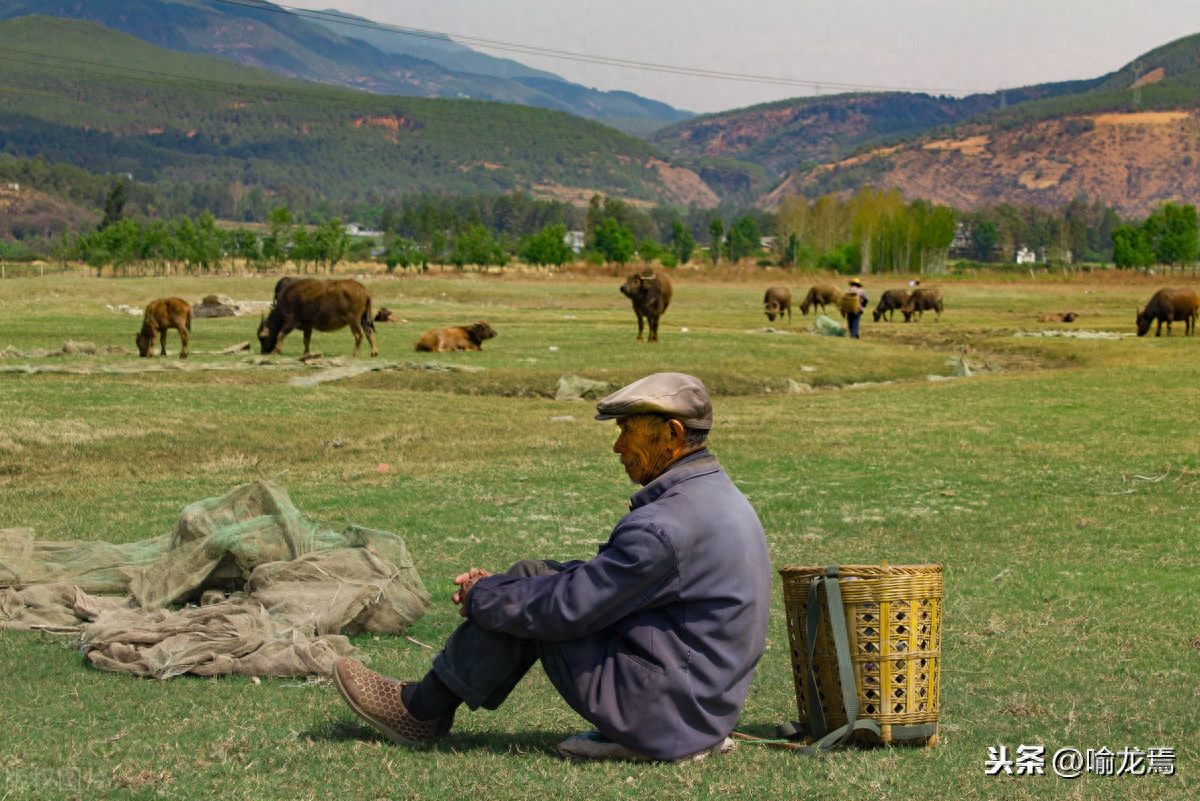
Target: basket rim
871,569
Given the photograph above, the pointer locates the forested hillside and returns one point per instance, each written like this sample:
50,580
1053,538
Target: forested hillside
339,49
78,93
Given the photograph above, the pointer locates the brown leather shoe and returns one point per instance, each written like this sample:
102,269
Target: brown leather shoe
376,699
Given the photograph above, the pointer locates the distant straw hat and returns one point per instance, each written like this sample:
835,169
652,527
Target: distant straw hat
855,282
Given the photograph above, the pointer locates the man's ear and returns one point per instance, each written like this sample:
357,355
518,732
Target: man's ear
678,433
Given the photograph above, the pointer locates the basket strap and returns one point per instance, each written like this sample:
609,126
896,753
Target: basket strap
826,740
816,715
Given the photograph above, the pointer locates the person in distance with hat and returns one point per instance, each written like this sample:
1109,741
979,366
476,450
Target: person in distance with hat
853,318
653,641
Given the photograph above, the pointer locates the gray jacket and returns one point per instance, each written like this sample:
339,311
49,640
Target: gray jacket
661,631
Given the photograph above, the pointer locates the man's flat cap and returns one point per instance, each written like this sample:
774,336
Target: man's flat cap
676,395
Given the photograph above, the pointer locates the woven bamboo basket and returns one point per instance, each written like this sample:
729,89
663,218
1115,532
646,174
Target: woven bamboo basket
850,303
893,622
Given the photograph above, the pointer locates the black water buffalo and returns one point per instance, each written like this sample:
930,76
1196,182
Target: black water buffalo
923,299
889,302
1167,306
310,303
820,296
161,315
467,337
777,301
650,292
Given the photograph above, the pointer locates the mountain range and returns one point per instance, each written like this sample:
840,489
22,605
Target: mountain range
344,50
270,106
1129,138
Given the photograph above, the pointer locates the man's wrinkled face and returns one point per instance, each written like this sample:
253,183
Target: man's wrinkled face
644,446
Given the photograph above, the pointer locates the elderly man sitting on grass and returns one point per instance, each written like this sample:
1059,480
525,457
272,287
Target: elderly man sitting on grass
653,641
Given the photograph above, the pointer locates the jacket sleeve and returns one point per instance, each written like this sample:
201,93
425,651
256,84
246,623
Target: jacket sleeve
636,569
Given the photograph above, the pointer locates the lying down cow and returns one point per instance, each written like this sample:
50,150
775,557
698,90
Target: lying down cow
467,337
161,315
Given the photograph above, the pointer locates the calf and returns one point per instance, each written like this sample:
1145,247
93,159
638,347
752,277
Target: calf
467,337
163,314
777,301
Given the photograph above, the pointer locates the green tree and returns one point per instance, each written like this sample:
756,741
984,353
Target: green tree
278,240
330,243
548,246
716,236
845,259
114,205
1131,247
243,244
744,238
984,236
649,250
301,253
614,241
476,246
683,244
202,242
934,236
792,251
1173,234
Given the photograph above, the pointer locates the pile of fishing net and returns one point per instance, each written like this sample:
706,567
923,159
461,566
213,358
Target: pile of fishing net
244,584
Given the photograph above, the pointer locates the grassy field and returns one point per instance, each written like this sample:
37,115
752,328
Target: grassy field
1057,485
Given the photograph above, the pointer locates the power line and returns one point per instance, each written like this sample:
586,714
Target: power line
587,58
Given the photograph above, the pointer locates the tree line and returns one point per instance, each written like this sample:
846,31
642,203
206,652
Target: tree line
869,231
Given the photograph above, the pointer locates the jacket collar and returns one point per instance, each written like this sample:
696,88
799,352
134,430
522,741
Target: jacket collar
694,464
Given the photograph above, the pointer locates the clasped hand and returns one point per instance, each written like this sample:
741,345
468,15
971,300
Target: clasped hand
465,582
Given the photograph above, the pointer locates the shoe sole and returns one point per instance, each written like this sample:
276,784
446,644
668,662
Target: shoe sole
587,751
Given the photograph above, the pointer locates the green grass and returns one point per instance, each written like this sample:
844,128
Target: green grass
1071,611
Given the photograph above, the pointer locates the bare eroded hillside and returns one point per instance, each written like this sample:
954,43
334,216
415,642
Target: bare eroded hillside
1130,161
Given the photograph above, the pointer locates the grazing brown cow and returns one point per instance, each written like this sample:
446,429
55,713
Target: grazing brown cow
650,292
1167,306
923,299
467,337
161,315
310,303
777,301
889,302
820,296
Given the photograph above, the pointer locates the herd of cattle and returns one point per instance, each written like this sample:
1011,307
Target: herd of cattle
312,304
778,299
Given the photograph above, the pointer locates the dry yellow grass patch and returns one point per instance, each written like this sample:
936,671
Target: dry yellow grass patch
1144,118
971,146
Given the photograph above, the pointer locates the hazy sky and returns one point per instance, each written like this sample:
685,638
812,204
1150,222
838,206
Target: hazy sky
805,46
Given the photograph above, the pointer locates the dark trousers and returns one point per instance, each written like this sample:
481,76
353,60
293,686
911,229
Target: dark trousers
482,667
852,323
